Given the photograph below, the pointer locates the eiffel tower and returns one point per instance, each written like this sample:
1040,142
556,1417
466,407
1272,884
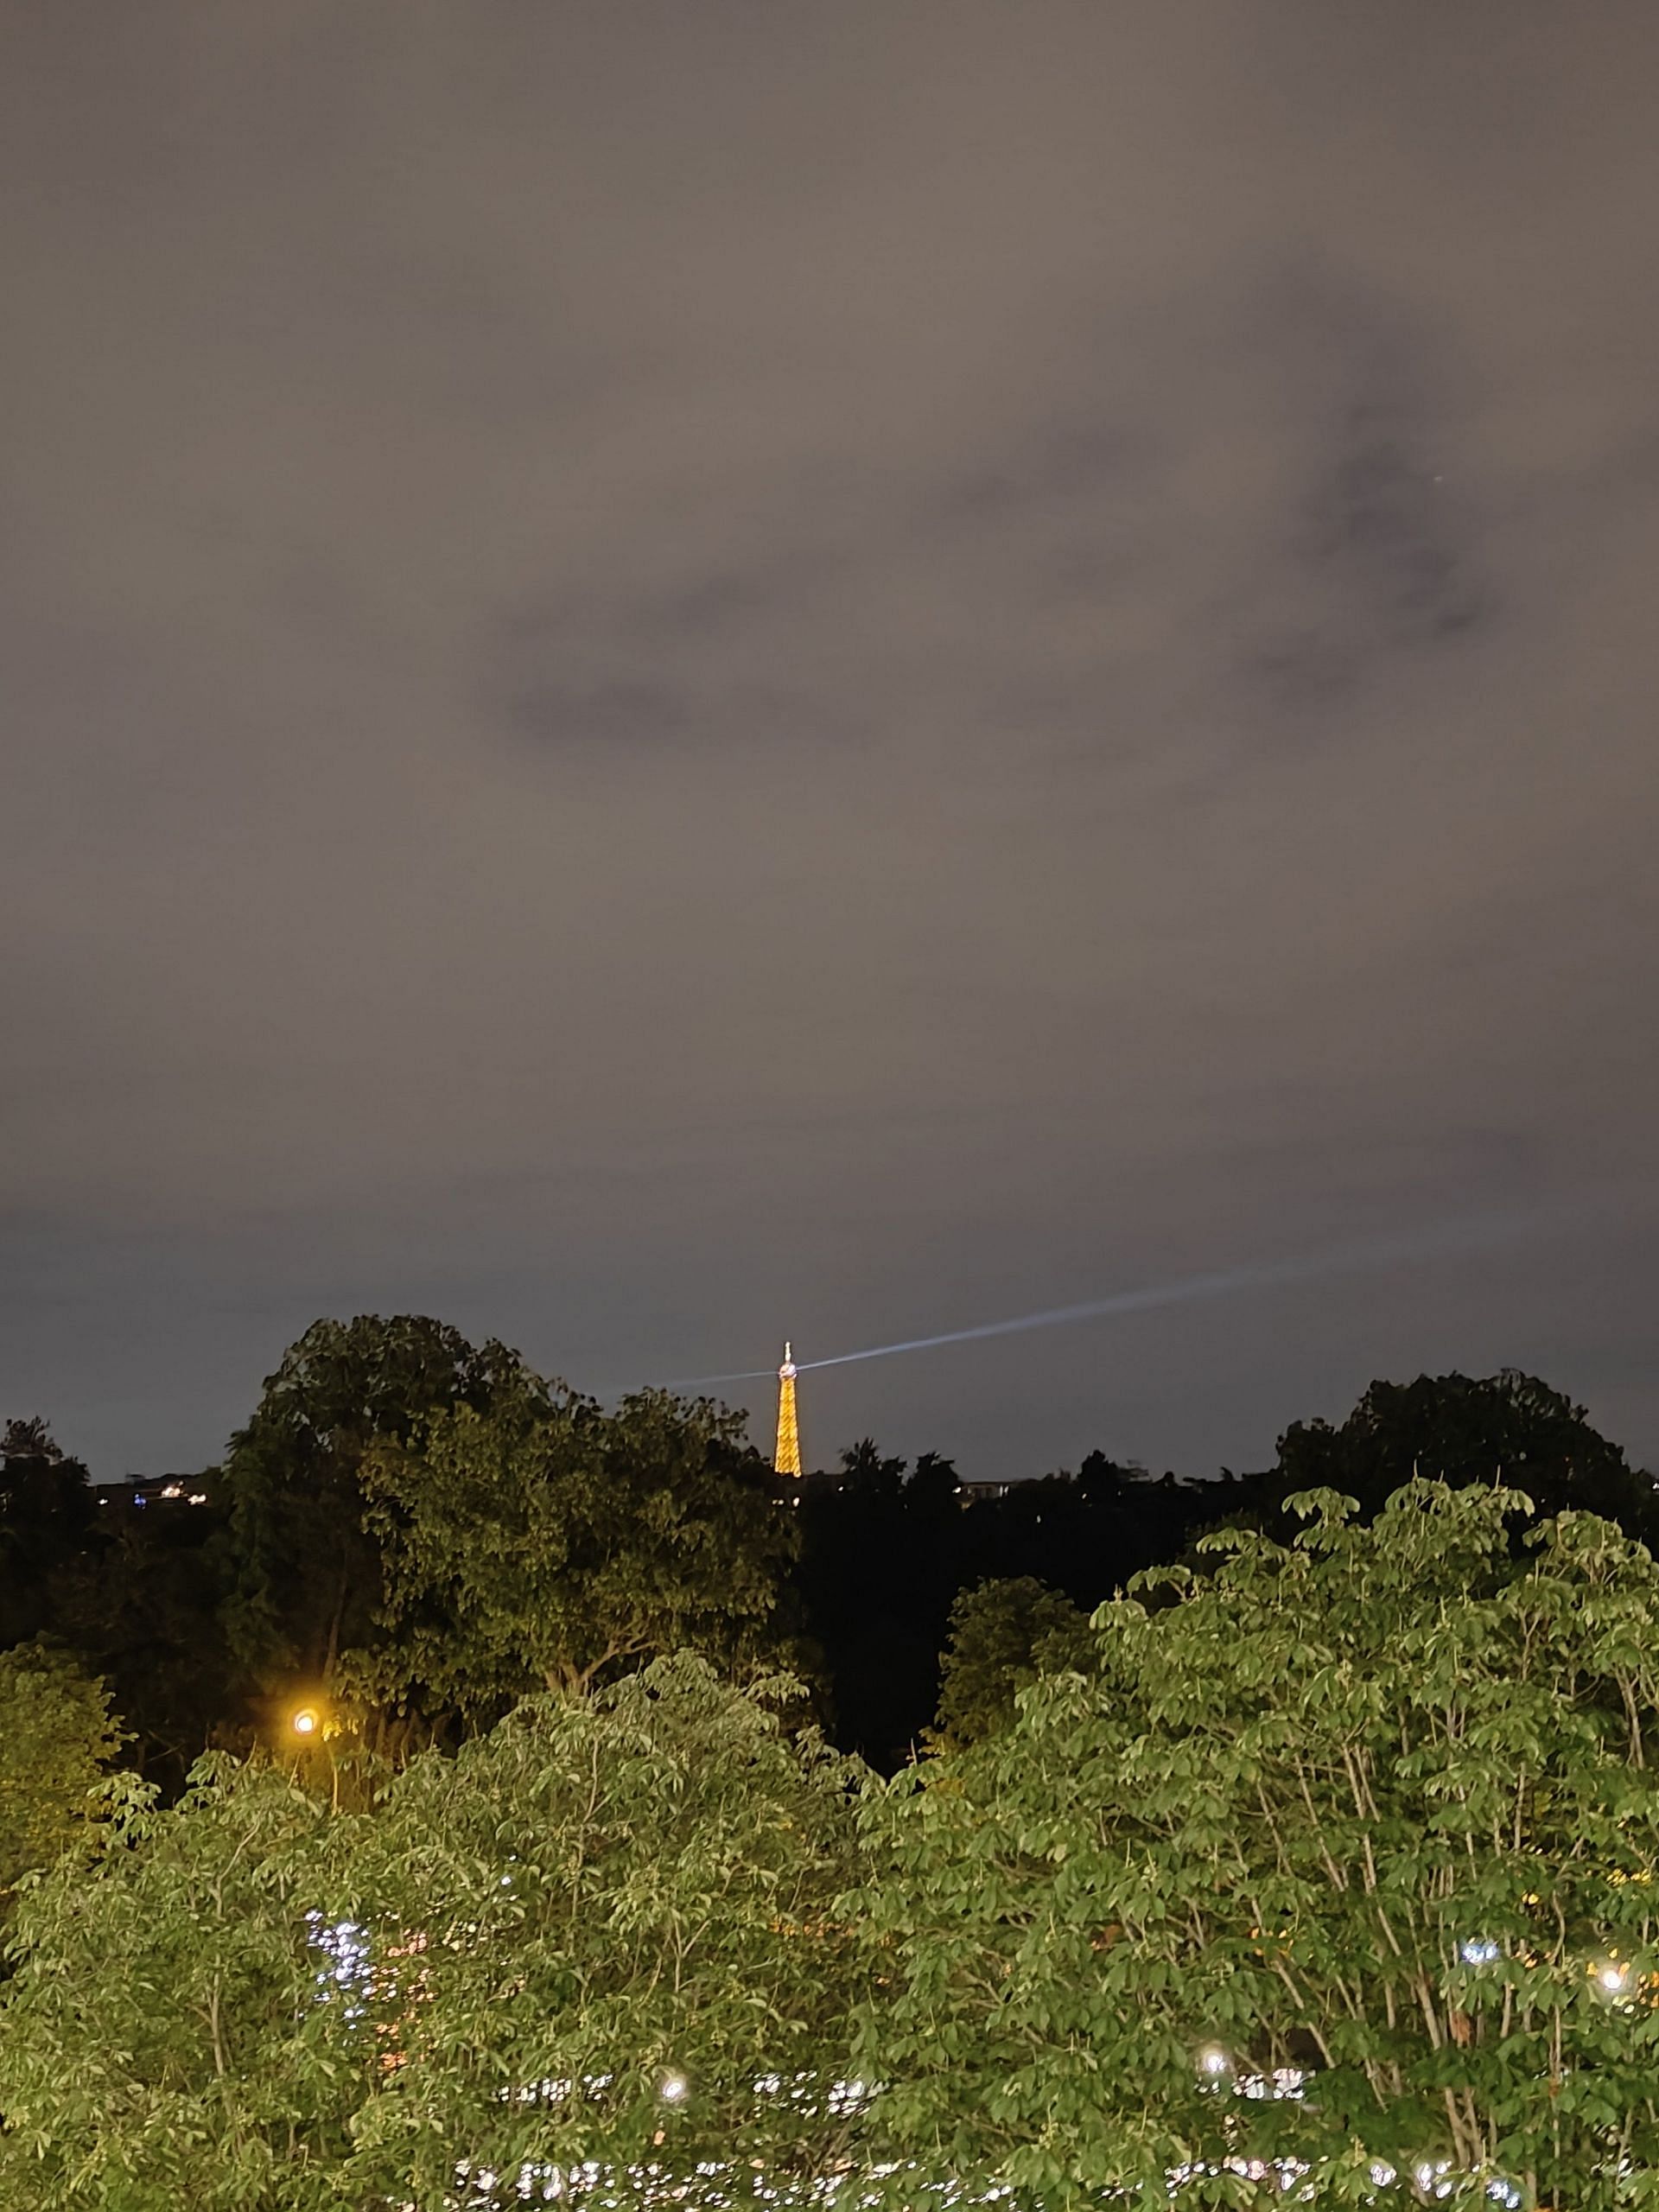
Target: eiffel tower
787,1459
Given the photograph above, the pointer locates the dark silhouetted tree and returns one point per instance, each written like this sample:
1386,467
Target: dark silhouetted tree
143,1604
304,1572
934,1487
866,1473
1459,1429
47,1515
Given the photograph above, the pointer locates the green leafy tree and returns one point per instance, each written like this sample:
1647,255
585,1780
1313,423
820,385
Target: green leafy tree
1003,1636
613,1920
602,1932
158,2043
545,1543
1345,1857
56,1743
304,1572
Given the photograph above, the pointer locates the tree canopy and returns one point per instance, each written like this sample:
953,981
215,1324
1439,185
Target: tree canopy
211,1619
1321,1861
1003,1635
45,1519
1340,1861
602,1933
1328,1870
543,1542
57,1740
304,1574
1506,1427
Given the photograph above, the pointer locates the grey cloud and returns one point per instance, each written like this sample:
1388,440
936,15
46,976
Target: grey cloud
681,673
1378,515
602,713
1051,471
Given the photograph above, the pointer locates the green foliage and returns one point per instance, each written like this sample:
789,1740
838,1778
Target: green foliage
1003,1635
157,2047
1377,1805
305,1575
256,2004
56,1741
627,1892
1371,1814
544,1543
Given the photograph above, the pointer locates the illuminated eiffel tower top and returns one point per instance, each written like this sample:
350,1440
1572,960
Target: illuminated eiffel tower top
787,1459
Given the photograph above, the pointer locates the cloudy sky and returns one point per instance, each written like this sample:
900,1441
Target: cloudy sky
679,672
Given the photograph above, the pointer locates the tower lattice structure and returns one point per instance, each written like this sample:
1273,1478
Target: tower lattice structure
787,1459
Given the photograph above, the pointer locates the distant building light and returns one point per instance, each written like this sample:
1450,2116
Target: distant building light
197,1498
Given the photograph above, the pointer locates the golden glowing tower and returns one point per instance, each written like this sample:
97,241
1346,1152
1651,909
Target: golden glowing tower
787,1459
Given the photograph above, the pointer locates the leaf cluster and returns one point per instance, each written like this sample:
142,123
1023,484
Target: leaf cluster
543,1542
56,1741
255,2002
1374,1809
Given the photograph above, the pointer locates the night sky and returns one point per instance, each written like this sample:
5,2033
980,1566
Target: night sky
678,671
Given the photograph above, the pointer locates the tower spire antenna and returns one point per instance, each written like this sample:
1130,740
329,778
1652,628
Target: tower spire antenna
786,1459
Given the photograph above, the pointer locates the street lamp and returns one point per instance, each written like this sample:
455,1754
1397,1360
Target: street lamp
315,1724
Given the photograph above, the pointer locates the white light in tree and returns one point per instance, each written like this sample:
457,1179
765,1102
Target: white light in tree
344,1944
1214,2062
1613,1977
673,2088
1477,1951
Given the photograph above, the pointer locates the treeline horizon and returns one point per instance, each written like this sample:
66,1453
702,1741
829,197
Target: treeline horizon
421,1530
